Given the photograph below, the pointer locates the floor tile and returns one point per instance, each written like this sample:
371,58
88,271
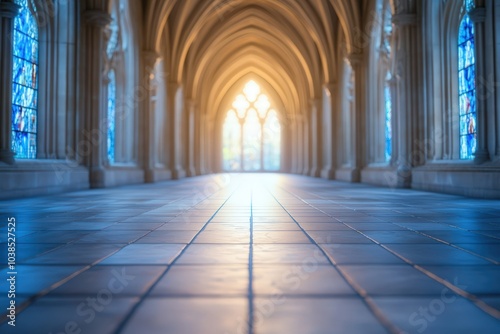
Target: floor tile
340,315
144,254
286,253
436,314
215,254
303,279
190,315
121,280
360,254
203,280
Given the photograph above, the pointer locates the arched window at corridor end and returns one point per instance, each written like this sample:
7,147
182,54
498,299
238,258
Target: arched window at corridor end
251,139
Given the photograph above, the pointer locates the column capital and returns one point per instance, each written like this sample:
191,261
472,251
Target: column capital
355,58
97,17
478,14
9,9
190,103
314,102
330,87
404,19
173,85
151,59
392,81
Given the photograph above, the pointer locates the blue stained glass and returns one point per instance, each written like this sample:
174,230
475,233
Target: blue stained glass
388,125
469,4
111,116
467,86
25,82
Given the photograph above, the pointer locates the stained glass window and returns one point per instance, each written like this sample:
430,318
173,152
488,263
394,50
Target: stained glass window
386,48
113,45
232,140
467,87
388,120
272,141
25,83
111,115
251,133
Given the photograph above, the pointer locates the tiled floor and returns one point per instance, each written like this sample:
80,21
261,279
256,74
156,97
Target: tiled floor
231,254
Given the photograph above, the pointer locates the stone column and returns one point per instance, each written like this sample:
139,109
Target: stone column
191,138
150,60
329,120
358,117
478,16
200,142
496,76
315,134
306,146
95,129
408,109
175,107
8,10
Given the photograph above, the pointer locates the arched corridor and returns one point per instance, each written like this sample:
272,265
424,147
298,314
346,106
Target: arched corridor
250,166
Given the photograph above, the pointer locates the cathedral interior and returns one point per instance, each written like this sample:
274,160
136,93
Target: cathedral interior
249,166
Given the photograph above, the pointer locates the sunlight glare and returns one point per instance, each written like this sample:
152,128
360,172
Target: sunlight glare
251,90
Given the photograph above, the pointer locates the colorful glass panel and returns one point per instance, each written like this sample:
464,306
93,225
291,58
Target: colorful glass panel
25,83
232,139
388,125
251,133
272,142
386,46
111,115
252,137
467,88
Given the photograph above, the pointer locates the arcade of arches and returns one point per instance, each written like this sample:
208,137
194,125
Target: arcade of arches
250,166
392,93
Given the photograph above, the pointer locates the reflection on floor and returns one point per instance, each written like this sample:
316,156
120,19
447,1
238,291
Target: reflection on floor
253,254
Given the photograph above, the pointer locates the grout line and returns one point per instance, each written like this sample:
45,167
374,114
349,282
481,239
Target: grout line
57,284
471,297
129,315
389,326
250,273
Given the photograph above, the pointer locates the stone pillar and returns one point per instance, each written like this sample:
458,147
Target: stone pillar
408,109
329,121
358,117
8,10
200,147
315,134
95,130
306,147
175,107
496,78
191,138
150,60
392,82
478,16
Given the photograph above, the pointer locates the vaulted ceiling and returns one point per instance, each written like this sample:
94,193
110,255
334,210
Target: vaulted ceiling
212,47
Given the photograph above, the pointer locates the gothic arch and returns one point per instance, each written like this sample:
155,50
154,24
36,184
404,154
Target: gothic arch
442,72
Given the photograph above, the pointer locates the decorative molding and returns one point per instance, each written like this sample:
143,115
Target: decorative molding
478,15
9,9
331,88
404,19
97,18
355,58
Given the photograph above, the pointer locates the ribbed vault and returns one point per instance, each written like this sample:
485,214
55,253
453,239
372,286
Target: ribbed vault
210,47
